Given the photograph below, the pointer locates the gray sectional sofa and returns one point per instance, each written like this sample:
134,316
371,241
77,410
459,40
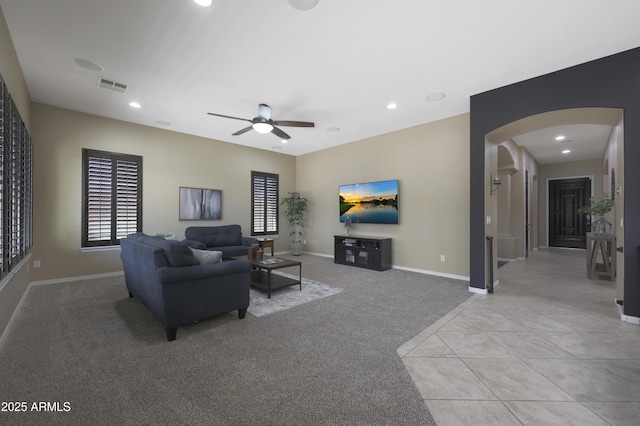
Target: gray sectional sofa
227,238
167,279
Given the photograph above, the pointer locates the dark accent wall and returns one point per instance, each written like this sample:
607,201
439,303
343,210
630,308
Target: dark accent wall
610,82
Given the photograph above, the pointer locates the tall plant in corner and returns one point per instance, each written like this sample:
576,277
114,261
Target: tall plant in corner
295,208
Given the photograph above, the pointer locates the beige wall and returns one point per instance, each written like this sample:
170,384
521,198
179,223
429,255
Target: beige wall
431,162
12,73
571,169
614,159
513,162
170,160
533,167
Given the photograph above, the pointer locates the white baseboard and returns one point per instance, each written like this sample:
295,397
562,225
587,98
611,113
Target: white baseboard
330,256
80,278
404,268
435,273
5,333
626,318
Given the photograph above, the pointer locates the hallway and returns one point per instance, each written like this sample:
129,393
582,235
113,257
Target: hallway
547,348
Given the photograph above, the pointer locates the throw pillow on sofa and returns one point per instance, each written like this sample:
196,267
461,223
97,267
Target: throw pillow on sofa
207,256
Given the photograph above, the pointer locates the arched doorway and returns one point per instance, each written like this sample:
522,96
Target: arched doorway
520,195
610,82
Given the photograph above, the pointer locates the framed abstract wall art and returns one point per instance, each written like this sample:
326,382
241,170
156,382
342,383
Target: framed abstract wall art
200,204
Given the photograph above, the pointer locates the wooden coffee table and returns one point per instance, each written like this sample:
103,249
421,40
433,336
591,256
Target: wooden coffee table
262,277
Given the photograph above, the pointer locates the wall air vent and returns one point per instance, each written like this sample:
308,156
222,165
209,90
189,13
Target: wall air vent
112,85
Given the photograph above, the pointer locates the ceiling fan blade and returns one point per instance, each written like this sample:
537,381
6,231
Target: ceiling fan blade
241,131
228,116
279,133
295,123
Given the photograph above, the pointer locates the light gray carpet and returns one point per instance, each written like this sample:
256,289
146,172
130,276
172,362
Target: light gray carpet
332,361
288,297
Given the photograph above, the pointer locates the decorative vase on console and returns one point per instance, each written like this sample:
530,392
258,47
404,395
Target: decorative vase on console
601,226
597,210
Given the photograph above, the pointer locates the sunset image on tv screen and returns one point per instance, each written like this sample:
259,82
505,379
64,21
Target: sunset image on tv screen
370,202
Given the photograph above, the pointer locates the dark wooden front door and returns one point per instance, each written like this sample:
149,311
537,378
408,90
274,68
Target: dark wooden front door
567,228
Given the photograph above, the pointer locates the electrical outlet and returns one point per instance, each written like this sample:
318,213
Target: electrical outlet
36,264
304,242
442,258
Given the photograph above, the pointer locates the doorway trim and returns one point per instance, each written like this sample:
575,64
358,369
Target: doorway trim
547,184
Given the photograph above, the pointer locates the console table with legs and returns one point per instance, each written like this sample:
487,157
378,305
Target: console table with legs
601,248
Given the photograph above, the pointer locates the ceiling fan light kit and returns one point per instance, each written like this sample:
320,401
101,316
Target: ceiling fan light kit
264,124
263,128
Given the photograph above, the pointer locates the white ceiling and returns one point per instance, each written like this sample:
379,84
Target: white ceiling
337,65
584,141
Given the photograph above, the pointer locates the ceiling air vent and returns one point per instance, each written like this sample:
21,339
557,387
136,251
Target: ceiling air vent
112,85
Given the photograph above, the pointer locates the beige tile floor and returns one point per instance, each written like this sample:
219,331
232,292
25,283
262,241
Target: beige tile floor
547,348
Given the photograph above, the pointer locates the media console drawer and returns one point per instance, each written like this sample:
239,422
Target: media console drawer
364,252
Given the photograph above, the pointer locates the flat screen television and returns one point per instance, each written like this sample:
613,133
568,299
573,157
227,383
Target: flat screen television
370,202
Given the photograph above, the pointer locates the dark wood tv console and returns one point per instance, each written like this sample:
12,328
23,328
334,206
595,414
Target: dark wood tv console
364,252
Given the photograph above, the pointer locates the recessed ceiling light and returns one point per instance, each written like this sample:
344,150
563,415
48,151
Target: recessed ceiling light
303,4
135,105
560,138
566,151
284,141
88,65
392,106
163,123
203,2
333,129
438,96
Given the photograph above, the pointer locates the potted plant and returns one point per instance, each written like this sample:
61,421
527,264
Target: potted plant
597,210
295,208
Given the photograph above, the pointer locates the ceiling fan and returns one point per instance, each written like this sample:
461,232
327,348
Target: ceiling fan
264,124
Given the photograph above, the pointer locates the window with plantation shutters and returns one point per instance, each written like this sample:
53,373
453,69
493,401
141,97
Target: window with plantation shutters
112,197
264,203
16,185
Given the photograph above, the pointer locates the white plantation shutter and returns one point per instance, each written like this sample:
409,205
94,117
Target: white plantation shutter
15,176
127,198
264,203
99,199
112,194
259,202
272,205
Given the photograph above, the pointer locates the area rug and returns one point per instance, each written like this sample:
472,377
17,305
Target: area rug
288,297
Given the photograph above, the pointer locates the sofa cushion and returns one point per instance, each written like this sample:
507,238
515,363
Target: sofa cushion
195,244
207,256
177,252
233,251
214,236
